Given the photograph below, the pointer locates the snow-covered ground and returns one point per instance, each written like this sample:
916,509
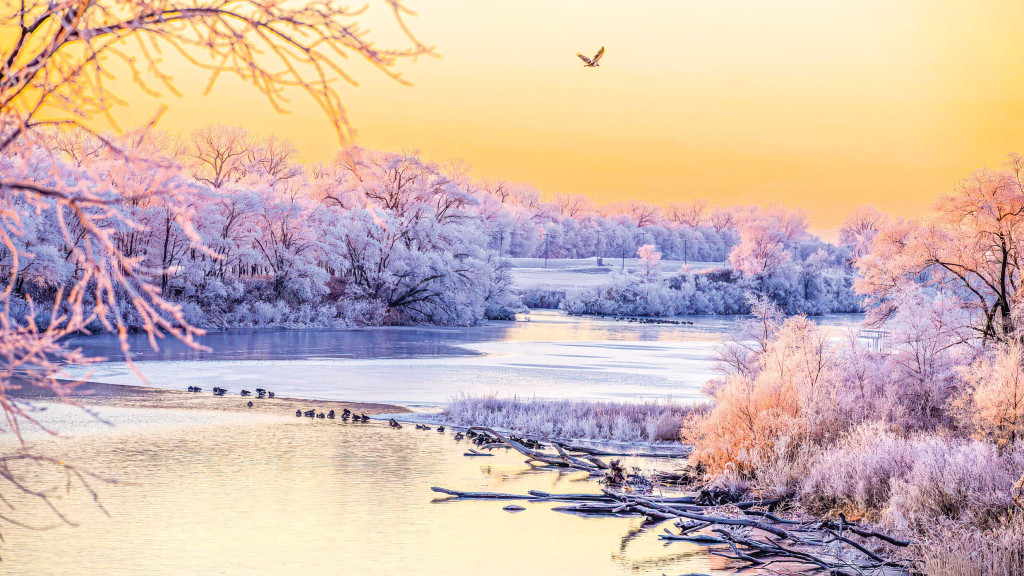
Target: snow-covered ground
585,272
69,420
549,356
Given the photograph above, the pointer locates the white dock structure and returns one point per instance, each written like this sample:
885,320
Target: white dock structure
881,340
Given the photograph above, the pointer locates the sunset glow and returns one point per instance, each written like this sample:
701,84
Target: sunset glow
681,287
821,105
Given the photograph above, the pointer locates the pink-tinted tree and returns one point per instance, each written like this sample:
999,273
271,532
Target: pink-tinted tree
56,60
860,228
971,248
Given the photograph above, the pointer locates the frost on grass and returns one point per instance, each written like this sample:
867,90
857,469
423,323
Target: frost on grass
569,419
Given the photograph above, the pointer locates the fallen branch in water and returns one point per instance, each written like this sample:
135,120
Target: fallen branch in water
561,459
481,495
685,453
748,531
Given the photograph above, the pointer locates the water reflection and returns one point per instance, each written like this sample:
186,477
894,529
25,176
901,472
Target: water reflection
549,356
289,497
294,344
418,342
209,493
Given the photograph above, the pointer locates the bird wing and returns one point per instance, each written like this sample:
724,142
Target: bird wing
584,58
599,54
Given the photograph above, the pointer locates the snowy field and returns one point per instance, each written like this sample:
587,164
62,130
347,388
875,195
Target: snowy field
585,272
550,356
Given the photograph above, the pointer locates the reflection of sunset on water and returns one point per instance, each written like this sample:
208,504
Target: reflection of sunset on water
291,497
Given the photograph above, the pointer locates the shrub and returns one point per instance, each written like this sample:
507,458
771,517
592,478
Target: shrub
952,479
952,549
992,402
911,484
542,297
789,399
856,476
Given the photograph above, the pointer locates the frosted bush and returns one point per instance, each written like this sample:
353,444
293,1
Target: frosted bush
952,479
910,484
992,400
857,475
647,422
712,292
779,475
785,391
664,429
542,297
956,549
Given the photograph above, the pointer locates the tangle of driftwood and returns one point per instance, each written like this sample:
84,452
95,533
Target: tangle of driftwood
748,532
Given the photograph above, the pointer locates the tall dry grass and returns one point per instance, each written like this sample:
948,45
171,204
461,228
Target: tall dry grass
572,419
957,550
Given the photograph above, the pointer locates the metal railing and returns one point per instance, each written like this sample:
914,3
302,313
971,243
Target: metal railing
881,340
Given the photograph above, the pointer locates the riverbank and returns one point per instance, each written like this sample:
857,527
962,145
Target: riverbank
98,394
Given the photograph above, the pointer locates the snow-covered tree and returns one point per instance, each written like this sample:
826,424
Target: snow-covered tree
971,249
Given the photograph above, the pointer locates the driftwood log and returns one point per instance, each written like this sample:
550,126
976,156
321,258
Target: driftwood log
561,458
840,549
748,532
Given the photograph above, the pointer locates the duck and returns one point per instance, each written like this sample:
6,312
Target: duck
440,429
246,393
309,413
364,418
261,392
320,415
459,436
218,391
346,413
271,394
331,414
298,413
249,404
394,424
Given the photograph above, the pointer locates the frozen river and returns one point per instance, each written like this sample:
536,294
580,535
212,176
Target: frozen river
239,493
551,355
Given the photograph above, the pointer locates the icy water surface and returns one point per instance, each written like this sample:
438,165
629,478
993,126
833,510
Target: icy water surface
265,495
241,493
549,356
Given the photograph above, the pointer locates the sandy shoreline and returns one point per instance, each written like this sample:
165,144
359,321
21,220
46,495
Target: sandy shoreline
124,396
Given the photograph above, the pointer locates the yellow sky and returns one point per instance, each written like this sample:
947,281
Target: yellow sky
820,104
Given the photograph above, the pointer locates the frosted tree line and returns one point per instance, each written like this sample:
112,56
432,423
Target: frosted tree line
237,232
771,254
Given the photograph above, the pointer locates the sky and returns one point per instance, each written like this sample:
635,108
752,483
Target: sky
819,104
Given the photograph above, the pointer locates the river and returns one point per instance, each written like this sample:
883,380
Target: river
239,494
550,356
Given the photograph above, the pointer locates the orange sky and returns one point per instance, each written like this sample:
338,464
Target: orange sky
820,104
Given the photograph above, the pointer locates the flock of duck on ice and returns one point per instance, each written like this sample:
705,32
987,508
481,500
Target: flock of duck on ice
479,438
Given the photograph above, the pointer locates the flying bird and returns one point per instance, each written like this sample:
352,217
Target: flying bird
591,62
